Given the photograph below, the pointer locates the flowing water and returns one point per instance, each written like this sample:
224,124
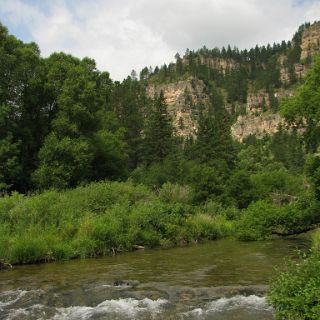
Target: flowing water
217,280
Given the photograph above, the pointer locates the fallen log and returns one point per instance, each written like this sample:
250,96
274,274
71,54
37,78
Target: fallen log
283,233
5,265
137,247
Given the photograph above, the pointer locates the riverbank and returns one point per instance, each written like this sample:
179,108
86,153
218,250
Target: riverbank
109,217
101,219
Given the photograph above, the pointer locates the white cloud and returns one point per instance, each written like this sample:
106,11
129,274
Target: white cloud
129,34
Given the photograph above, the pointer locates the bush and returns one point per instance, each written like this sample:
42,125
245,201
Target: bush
205,227
263,219
276,181
258,221
295,293
175,193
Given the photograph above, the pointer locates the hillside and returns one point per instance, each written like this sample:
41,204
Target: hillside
252,82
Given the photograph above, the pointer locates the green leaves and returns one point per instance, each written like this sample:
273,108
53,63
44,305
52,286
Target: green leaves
110,156
295,293
158,141
63,163
303,110
10,168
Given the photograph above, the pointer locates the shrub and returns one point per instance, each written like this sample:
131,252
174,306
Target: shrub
258,221
263,219
276,181
295,293
205,227
175,193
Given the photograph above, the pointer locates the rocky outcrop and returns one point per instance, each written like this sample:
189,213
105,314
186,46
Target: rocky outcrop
182,99
260,101
259,126
300,70
219,64
259,119
310,44
257,102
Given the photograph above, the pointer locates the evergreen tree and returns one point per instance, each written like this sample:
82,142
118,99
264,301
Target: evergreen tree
214,142
179,65
130,103
158,141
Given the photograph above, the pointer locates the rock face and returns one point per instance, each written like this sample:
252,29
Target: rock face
300,70
259,126
219,64
258,119
310,41
182,99
257,102
216,63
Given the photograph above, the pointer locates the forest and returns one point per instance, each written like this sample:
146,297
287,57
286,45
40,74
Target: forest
91,166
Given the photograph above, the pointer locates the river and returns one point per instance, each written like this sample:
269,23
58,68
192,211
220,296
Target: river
220,280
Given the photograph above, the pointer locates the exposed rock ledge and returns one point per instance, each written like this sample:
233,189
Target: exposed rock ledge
259,126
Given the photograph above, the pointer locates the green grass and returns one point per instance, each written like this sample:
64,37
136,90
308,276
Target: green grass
100,218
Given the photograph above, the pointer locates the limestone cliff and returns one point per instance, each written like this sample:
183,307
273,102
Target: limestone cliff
182,99
300,70
219,64
215,63
310,44
259,119
259,126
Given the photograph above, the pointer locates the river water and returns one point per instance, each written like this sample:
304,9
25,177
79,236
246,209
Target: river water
220,280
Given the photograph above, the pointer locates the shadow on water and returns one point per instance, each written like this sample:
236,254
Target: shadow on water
219,280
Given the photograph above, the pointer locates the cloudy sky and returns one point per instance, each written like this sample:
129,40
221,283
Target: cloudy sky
122,35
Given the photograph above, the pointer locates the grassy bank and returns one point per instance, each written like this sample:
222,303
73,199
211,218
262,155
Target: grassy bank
100,218
108,217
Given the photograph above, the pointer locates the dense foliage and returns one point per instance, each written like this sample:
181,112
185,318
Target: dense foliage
102,218
295,292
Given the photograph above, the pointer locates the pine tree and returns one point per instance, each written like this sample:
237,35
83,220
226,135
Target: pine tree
158,141
214,142
129,102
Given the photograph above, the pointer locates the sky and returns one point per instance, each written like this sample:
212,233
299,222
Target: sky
122,35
